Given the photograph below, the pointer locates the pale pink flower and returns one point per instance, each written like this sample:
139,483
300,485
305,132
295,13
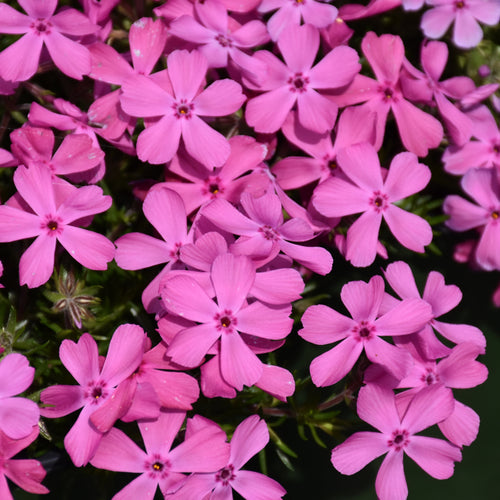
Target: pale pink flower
248,439
26,473
177,108
297,82
465,14
161,466
375,197
97,387
397,437
52,220
483,187
323,325
17,415
42,27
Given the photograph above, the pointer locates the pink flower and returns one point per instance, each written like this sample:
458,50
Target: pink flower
27,474
248,439
96,387
323,325
397,437
224,320
178,108
297,81
466,14
19,61
483,187
375,197
51,221
203,451
17,415
292,12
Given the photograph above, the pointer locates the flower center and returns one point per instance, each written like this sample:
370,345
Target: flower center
175,252
225,321
268,232
225,475
399,440
224,41
459,4
41,26
495,214
379,201
430,378
52,225
298,83
183,109
363,331
96,392
157,466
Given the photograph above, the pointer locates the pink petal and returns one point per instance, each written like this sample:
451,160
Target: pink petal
419,130
409,229
357,451
87,200
27,474
405,177
376,50
190,345
137,251
72,22
232,278
37,262
143,97
317,259
221,98
250,484
92,250
61,400
278,286
361,164
287,15
13,21
457,123
265,321
76,154
336,197
482,186
187,28
124,354
175,390
250,34
391,482
323,325
204,143
299,46
464,215
147,40
460,369
239,365
316,112
466,32
117,452
108,65
435,22
276,381
435,456
18,416
486,251
333,365
443,298
70,57
35,185
213,16
37,10
265,209
151,144
406,317
81,359
336,69
186,71
362,299
400,278
16,374
267,112
462,426
362,239
158,435
434,56
460,333
396,360
376,406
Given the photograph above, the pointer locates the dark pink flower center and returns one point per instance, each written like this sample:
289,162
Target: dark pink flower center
52,225
225,321
363,331
399,440
41,26
213,186
430,377
224,41
379,201
225,475
298,83
460,4
268,232
175,252
183,109
495,149
157,466
96,392
495,214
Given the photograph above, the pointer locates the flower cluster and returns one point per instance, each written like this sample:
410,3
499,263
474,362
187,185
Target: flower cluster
265,129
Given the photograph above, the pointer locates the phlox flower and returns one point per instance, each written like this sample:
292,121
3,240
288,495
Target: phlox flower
465,14
26,473
369,193
248,439
232,278
292,12
323,325
97,388
442,298
42,27
161,466
52,220
397,437
483,187
297,82
178,107
17,415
